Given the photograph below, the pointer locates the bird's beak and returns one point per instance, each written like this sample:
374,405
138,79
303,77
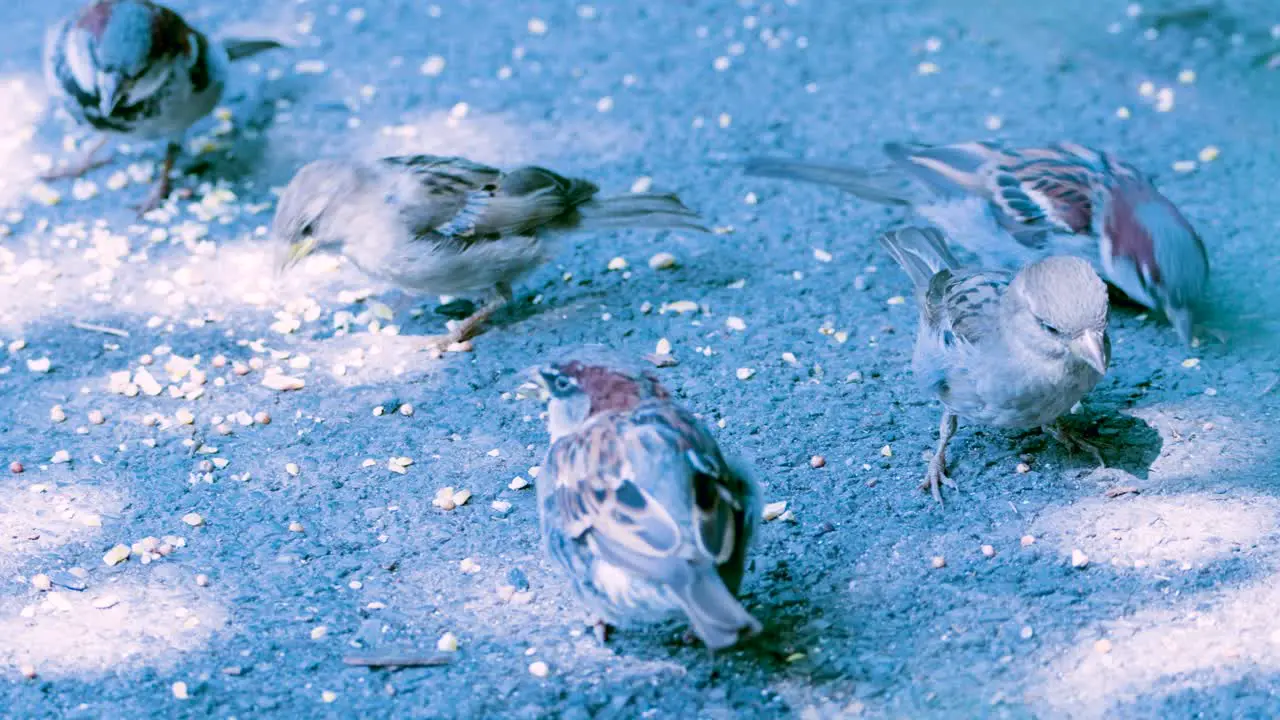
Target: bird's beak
1091,347
540,377
295,252
1182,321
110,92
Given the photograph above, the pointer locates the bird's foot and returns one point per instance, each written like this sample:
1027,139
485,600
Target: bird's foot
1073,443
89,161
937,477
159,193
602,630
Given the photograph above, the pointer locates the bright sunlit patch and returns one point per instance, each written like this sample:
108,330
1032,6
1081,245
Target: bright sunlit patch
1152,531
122,620
1204,641
23,100
37,515
504,140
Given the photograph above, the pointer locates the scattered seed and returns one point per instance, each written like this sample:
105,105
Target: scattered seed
817,461
539,669
202,580
296,527
28,671
518,483
774,510
41,582
432,66
1028,540
448,642
180,690
501,506
328,696
1079,559
116,555
1209,154
938,562
262,418
57,414
1022,468
1026,633
886,451
735,323
662,261
617,264
642,184
15,467
822,255
988,551
468,566
193,519
60,457
319,632
745,373
280,381
291,468
1102,647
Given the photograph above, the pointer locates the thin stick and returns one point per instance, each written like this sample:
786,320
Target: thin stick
396,661
99,328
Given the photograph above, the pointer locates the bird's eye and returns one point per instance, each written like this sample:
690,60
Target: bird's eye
1049,328
563,383
308,230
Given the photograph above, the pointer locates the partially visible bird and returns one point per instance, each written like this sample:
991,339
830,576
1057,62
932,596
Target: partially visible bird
1011,351
1011,206
136,69
639,507
450,226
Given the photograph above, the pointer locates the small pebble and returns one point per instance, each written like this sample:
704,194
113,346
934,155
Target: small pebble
15,467
27,671
41,582
319,632
774,510
180,690
938,562
193,519
57,414
1102,647
1023,468
817,461
988,551
296,527
1028,540
1079,559
116,555
202,580
262,418
539,669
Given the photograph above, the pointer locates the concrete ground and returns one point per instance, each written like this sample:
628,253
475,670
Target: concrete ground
277,550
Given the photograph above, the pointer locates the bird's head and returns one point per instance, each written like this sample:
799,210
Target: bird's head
1060,311
125,51
304,221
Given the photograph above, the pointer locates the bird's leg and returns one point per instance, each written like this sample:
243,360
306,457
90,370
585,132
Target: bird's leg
160,190
470,327
1073,442
602,632
937,474
88,161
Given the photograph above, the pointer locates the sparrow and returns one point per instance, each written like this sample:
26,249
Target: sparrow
1002,349
1011,206
638,506
136,69
449,226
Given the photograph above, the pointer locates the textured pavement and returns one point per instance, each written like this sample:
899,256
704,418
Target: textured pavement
281,548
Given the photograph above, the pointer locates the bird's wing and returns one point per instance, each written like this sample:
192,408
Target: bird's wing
1045,192
613,488
961,307
457,199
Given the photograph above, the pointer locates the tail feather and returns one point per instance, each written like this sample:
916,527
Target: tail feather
716,615
887,187
921,251
638,210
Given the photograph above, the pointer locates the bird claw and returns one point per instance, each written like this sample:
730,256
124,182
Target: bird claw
936,477
159,193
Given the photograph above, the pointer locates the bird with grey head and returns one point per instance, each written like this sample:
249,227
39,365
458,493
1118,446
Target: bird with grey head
1003,349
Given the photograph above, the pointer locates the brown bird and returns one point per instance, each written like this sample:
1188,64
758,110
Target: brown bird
640,508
